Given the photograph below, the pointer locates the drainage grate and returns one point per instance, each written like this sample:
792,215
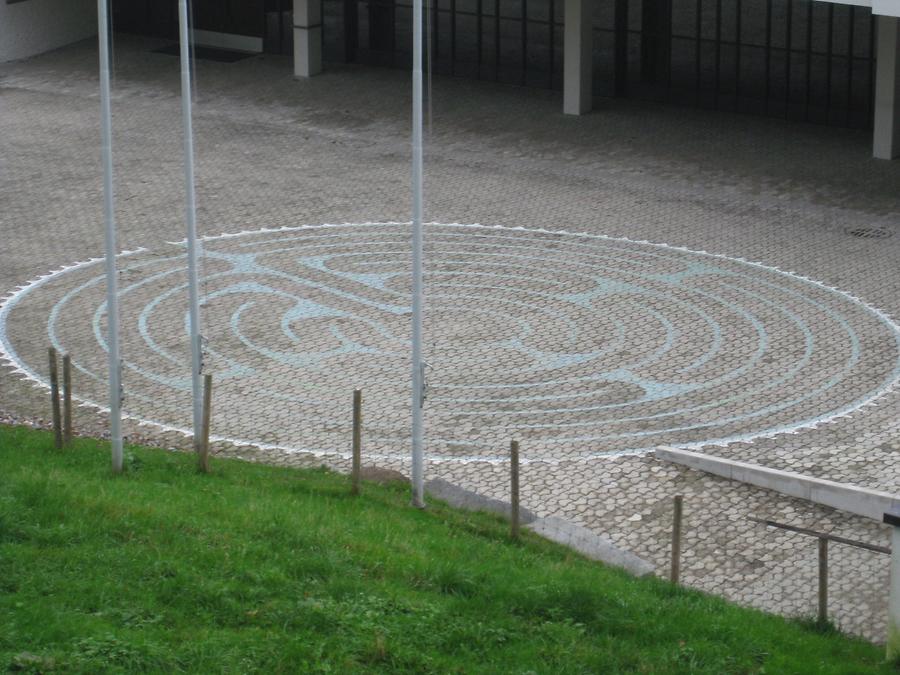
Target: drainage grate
869,232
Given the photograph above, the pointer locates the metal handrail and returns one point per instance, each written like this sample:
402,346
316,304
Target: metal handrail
824,535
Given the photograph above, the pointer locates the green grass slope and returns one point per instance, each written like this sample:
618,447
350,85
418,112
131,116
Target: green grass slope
255,568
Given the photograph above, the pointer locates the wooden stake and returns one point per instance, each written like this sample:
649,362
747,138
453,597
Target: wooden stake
675,574
823,580
67,400
514,489
202,444
54,399
357,440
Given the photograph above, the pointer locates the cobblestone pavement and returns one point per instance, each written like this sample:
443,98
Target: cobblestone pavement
741,312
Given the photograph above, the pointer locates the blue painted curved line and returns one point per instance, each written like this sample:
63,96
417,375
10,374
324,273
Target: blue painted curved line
525,328
54,317
303,359
246,264
746,393
514,303
330,234
543,239
67,297
144,318
603,382
680,278
319,263
374,325
692,273
179,383
613,256
658,386
548,360
741,418
724,378
795,279
604,287
372,280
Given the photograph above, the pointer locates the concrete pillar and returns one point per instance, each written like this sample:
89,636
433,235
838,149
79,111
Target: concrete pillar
307,38
886,137
577,57
892,517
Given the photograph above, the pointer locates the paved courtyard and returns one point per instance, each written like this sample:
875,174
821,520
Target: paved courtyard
597,286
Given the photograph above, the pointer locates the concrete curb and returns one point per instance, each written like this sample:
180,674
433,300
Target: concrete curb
868,503
555,529
473,501
589,545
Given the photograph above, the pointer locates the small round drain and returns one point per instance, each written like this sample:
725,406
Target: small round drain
866,232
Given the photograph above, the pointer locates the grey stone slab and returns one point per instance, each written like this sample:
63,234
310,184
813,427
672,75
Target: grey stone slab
273,151
851,498
589,544
469,500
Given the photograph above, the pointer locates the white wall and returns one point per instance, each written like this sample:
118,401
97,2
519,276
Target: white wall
34,26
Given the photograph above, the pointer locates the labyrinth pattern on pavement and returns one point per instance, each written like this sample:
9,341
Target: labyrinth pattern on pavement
577,345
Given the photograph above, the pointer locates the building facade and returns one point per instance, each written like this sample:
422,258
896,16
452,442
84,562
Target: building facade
835,63
29,27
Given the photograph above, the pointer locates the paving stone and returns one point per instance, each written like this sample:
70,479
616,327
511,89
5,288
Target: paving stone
274,152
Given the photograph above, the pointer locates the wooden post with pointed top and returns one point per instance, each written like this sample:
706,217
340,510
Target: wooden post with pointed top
823,580
514,489
67,400
892,518
357,440
202,444
54,399
675,573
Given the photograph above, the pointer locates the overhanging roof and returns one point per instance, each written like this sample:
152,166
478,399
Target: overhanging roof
879,7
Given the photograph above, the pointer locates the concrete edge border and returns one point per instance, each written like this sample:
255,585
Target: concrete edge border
842,496
468,500
553,528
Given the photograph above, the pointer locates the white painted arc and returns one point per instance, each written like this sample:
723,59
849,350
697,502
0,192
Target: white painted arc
23,369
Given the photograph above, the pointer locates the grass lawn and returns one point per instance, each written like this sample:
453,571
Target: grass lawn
255,568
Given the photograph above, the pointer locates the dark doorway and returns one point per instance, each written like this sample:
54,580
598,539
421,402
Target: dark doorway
381,25
233,17
656,40
798,59
145,17
279,36
159,18
374,40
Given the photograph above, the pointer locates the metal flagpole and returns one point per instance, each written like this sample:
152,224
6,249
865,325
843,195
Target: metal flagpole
418,365
112,290
191,216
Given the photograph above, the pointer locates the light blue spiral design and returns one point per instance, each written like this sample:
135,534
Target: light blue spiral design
578,345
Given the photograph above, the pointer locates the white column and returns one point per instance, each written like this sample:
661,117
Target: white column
418,294
577,57
886,137
307,38
190,213
112,289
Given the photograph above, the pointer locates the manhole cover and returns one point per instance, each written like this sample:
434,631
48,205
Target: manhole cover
868,232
